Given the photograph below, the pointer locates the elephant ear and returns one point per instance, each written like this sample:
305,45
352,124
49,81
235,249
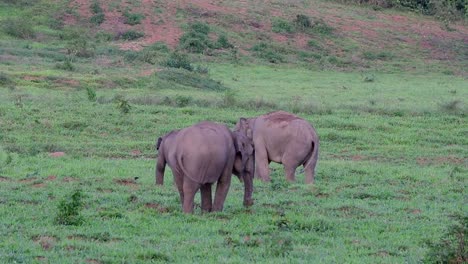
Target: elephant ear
158,144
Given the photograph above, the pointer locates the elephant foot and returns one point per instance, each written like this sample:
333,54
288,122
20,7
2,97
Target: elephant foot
248,203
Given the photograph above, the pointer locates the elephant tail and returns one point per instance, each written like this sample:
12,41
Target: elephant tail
311,160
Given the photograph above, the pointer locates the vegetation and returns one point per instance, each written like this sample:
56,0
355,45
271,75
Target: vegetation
79,117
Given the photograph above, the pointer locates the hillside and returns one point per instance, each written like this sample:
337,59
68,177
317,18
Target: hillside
334,36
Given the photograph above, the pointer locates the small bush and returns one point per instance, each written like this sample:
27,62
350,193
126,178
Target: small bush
302,22
452,246
97,19
69,210
19,28
322,28
96,8
123,105
91,94
196,39
182,100
66,65
279,25
132,35
6,80
178,60
80,47
133,18
223,42
267,52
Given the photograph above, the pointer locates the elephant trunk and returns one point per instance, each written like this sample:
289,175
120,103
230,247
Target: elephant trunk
248,188
160,166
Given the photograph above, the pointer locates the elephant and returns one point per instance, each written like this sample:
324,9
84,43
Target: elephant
201,155
284,138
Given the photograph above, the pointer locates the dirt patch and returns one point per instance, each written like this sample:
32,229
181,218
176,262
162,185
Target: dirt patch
46,242
128,182
33,78
440,160
135,152
93,261
67,82
26,180
157,207
39,185
51,178
56,154
41,258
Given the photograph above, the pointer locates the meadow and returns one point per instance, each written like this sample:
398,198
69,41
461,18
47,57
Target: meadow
77,159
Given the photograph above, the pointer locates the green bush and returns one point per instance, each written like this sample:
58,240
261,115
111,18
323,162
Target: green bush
178,60
302,22
19,28
69,210
132,35
223,42
279,25
151,54
97,19
91,94
80,47
6,80
321,27
200,27
133,18
196,39
96,8
66,65
264,51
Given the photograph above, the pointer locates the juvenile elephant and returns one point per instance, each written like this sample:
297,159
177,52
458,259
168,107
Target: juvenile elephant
283,138
201,155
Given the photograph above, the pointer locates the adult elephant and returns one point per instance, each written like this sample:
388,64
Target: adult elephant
201,155
283,138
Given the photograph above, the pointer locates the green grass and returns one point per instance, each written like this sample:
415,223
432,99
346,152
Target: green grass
390,181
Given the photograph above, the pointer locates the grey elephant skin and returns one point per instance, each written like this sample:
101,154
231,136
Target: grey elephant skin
284,138
202,155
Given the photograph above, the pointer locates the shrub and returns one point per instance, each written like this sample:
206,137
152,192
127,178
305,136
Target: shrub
178,60
133,18
66,65
452,246
151,54
267,52
196,40
97,19
302,22
123,105
279,25
6,80
91,94
69,210
19,28
96,8
321,27
223,42
132,35
80,47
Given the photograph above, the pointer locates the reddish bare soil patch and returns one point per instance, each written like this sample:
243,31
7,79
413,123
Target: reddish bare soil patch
157,207
38,185
41,258
46,242
26,180
135,152
33,78
440,160
51,178
67,82
128,182
70,179
56,154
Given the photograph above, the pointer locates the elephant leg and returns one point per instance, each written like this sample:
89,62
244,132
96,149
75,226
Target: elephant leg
179,181
206,202
222,188
290,164
190,188
310,171
261,164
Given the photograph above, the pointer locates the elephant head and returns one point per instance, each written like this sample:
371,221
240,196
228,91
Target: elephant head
244,126
164,145
244,165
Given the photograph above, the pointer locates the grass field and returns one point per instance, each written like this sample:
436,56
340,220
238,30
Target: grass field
390,183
